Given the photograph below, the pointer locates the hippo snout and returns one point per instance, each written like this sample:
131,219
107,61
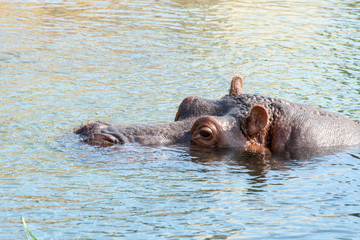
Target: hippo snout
100,134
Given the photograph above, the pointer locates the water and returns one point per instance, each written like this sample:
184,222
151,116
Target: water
63,63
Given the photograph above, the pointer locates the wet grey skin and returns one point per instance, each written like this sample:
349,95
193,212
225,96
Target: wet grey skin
246,121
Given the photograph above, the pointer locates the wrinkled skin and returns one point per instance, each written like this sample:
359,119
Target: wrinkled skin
247,121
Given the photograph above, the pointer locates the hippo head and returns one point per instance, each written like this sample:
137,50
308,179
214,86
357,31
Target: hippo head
199,122
228,122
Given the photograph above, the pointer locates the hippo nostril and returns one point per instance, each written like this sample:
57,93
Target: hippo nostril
106,137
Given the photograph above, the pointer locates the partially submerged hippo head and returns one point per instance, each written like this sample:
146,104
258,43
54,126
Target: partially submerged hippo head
247,121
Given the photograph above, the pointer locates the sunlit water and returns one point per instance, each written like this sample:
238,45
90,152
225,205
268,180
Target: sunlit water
63,63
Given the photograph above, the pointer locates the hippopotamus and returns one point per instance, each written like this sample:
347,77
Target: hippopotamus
244,121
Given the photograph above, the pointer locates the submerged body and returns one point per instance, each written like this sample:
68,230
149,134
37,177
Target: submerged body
248,121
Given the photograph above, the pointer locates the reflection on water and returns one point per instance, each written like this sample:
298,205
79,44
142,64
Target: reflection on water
64,63
257,164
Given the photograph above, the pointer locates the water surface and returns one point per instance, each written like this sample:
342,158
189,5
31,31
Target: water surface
63,63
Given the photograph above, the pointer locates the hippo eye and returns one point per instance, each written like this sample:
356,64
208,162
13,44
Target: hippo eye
205,133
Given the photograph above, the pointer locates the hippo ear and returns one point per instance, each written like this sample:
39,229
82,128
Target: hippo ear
257,120
236,85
